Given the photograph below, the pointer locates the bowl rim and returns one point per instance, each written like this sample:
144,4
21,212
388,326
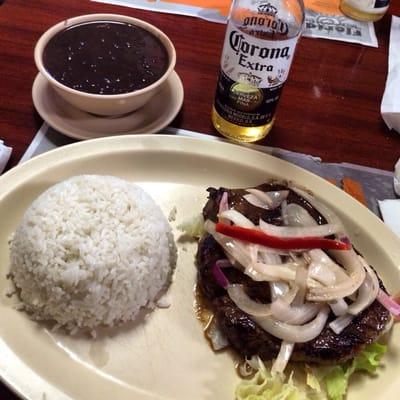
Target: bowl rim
53,30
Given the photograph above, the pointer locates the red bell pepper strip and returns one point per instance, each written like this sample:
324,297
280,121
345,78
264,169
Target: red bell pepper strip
276,242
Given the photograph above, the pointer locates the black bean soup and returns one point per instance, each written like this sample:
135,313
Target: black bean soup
105,57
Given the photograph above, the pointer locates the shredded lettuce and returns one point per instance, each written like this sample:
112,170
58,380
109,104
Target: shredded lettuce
320,382
337,378
312,381
267,386
336,382
194,227
370,359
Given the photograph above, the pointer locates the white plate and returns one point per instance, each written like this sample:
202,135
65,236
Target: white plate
166,356
75,123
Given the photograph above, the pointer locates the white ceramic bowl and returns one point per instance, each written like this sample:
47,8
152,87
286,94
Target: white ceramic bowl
103,104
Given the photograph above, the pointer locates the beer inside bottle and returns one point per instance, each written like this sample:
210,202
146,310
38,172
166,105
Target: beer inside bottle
259,45
364,10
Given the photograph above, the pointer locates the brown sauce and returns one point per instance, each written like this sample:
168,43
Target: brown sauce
396,297
105,57
202,308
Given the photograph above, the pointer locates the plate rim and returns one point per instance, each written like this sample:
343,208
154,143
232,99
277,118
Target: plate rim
137,143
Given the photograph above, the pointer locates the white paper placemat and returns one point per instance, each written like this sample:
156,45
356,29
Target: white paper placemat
318,24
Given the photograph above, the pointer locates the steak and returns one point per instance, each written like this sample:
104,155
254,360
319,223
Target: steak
243,334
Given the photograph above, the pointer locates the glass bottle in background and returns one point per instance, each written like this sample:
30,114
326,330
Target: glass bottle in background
259,46
364,10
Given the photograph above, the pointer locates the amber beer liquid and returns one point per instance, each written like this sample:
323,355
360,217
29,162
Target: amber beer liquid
364,10
259,45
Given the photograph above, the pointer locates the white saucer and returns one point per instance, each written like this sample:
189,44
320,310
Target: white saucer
75,123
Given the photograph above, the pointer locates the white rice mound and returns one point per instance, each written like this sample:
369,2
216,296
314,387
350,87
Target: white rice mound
91,251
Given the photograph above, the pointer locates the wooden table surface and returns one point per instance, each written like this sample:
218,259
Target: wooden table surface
330,105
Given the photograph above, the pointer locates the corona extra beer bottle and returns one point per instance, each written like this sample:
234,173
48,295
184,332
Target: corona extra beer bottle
259,45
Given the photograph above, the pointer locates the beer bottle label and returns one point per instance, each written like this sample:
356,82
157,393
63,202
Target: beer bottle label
252,75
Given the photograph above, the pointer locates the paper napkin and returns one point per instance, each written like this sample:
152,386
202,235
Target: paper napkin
397,177
390,209
5,153
390,107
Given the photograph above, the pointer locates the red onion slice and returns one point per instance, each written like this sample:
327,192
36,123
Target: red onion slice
219,276
256,202
223,263
295,215
278,197
294,333
262,196
235,250
279,309
223,203
223,206
318,256
236,217
232,248
389,303
330,216
278,289
281,290
301,283
283,358
295,315
266,200
269,258
321,273
256,276
339,307
298,232
245,303
253,251
290,295
340,323
367,292
356,272
277,252
284,272
281,272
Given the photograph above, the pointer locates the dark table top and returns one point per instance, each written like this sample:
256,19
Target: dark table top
330,106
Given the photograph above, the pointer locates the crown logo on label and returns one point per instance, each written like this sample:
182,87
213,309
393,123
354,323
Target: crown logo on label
267,9
251,79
